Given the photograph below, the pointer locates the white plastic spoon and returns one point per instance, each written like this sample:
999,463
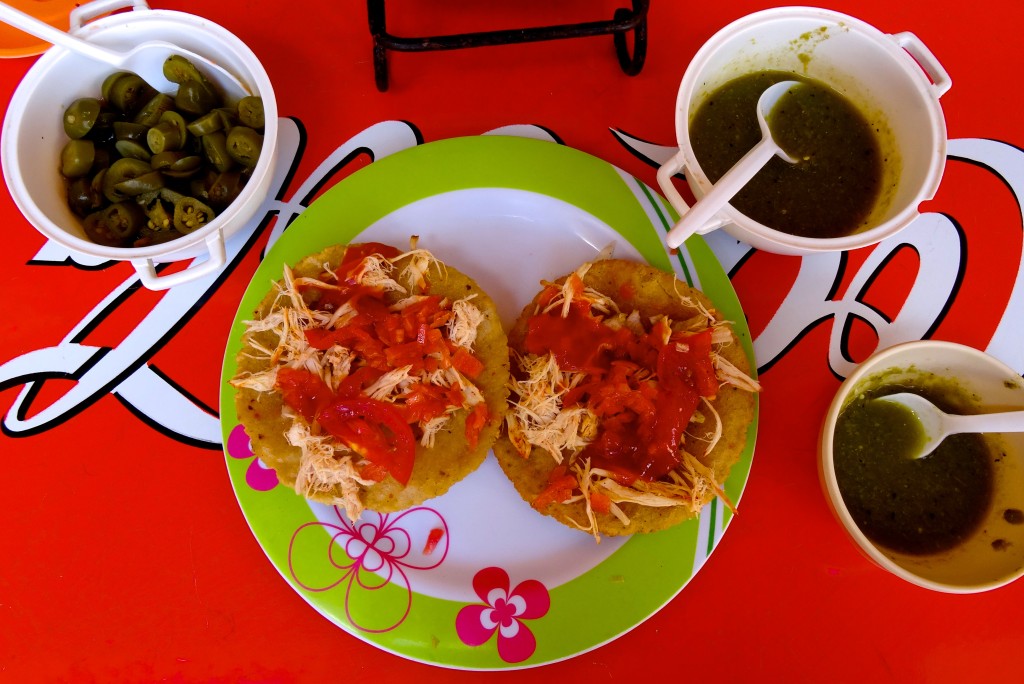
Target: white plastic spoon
141,59
739,175
937,424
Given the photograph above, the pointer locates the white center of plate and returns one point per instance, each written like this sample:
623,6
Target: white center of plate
507,240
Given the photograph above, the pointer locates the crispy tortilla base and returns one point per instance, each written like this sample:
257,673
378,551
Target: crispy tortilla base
437,468
652,292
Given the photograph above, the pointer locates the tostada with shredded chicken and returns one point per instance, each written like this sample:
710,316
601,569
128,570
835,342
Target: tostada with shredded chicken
373,379
630,400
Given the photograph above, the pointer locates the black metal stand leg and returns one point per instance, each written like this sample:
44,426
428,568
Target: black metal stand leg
378,29
632,64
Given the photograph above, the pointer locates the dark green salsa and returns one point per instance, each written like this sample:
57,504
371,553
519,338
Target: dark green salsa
834,187
916,506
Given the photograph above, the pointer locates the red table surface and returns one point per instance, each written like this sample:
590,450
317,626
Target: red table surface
124,555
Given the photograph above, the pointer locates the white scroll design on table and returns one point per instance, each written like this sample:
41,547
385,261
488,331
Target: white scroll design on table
127,372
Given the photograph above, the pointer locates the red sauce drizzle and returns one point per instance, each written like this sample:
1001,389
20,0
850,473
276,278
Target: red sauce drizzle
643,390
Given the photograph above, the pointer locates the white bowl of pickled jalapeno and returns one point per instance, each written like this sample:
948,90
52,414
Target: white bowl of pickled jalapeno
952,521
150,166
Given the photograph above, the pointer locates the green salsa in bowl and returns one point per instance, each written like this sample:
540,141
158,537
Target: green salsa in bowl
952,521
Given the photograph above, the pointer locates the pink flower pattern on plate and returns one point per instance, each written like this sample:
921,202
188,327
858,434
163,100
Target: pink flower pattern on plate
258,476
369,555
503,611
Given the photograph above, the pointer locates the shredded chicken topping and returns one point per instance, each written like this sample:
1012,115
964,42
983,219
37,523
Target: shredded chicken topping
327,465
540,416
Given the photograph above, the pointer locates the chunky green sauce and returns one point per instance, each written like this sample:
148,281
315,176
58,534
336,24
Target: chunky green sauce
916,506
831,192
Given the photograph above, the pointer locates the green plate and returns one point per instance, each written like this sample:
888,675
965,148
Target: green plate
476,579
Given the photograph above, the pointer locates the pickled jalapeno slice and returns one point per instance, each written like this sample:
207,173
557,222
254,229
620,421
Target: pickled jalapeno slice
147,182
178,69
215,148
165,136
108,83
83,196
150,236
77,157
250,111
195,98
124,219
80,116
177,120
244,145
225,189
96,230
162,161
154,109
228,117
211,122
190,215
120,171
158,218
130,93
129,130
184,167
131,149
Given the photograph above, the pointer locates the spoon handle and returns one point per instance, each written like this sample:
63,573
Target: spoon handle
722,191
40,29
1009,421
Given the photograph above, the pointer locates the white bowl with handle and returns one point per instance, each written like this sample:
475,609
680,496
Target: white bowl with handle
893,79
993,554
33,134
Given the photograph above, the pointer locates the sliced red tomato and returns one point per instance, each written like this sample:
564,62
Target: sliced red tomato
620,390
423,402
374,429
323,339
475,422
601,503
328,299
373,472
619,446
372,309
428,311
466,363
346,289
560,487
546,295
429,354
303,391
358,335
354,255
352,385
433,539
